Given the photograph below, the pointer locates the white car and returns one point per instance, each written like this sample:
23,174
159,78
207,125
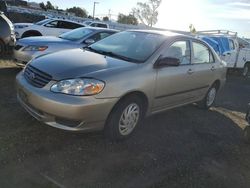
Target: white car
47,27
96,24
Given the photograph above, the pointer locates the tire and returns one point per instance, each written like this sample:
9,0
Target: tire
2,47
248,115
31,34
210,97
116,127
246,134
245,71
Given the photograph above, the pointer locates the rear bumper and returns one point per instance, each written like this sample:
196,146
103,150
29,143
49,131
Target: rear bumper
65,112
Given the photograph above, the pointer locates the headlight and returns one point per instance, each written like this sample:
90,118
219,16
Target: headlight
35,48
79,87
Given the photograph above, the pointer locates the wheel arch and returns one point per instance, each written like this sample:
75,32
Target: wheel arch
31,31
217,84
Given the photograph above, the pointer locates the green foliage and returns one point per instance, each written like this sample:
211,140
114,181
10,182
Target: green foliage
192,28
49,6
78,11
147,12
42,5
127,19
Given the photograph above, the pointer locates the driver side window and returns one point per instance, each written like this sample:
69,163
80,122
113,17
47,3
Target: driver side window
52,24
181,51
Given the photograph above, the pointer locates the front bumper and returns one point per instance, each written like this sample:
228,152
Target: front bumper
71,113
23,57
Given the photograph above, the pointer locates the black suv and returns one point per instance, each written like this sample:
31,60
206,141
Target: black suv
7,33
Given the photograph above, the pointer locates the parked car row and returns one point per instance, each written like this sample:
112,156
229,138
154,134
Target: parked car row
51,27
93,78
32,47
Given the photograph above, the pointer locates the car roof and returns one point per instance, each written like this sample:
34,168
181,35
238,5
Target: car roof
101,29
97,22
163,32
60,19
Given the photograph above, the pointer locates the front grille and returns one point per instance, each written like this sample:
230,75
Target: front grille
18,47
36,77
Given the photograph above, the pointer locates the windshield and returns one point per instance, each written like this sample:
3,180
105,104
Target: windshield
76,34
42,22
88,22
138,46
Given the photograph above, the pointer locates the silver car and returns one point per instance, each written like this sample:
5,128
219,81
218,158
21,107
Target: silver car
32,47
114,83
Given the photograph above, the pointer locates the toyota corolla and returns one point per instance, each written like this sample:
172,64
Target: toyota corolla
114,83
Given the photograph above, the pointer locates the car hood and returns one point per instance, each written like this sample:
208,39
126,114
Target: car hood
43,40
23,24
77,63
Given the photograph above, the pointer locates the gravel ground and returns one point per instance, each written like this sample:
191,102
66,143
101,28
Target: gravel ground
184,147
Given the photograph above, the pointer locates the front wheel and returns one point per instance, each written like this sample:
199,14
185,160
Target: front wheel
209,99
2,48
124,118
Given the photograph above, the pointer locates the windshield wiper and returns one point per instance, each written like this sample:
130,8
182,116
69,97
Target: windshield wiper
111,54
92,50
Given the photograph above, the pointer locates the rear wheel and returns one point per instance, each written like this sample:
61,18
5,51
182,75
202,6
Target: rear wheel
245,70
209,99
124,118
246,134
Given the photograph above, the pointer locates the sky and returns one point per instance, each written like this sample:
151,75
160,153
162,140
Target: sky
178,14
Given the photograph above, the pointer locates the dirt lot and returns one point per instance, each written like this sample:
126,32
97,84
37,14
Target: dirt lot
184,147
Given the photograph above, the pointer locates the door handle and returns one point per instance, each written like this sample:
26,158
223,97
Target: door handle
213,68
190,71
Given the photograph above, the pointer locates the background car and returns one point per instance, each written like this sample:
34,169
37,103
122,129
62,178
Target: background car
115,82
31,47
7,34
47,27
96,24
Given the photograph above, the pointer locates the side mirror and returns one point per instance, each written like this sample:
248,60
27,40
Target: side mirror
89,41
167,62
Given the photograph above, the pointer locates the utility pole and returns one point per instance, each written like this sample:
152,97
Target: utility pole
94,9
109,14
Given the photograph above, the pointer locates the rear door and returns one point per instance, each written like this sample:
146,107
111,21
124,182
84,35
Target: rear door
204,67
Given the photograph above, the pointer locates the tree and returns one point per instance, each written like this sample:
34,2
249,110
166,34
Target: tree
49,6
192,28
147,12
78,11
42,5
105,19
127,19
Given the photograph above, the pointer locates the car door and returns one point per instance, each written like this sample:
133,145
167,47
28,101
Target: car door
65,26
51,28
204,68
174,85
233,53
